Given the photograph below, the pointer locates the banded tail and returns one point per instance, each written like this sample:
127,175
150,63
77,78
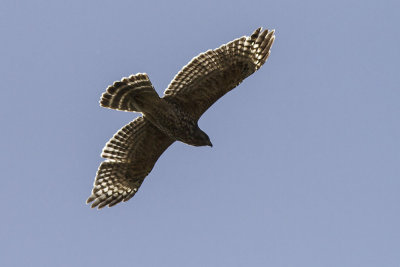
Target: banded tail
132,93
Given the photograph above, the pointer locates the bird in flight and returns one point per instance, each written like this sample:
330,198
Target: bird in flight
132,152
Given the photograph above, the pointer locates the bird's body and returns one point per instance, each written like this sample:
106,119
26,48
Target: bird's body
132,152
176,123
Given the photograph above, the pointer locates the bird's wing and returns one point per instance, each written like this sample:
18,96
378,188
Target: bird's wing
131,154
212,74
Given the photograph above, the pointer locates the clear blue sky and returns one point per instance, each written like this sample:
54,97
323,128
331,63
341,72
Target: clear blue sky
305,168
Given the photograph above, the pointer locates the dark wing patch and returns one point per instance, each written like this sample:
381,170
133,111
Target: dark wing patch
131,154
212,74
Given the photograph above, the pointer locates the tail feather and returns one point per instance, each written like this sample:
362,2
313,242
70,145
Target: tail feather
129,94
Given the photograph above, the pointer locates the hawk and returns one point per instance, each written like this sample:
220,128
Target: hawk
132,152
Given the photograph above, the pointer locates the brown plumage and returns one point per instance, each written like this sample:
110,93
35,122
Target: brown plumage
134,149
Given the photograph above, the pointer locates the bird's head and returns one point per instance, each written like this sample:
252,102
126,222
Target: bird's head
201,138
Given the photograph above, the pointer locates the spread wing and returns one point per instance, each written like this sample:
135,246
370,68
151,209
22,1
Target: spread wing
131,154
212,74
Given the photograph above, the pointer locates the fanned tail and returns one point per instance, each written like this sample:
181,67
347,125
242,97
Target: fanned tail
130,94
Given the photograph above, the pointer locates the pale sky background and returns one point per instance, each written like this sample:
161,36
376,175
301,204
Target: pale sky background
305,168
